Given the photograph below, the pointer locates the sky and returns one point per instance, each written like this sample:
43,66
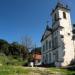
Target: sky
19,18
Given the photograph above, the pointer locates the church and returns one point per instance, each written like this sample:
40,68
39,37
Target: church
58,41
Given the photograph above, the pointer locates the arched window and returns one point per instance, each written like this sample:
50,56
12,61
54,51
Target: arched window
46,45
55,17
64,15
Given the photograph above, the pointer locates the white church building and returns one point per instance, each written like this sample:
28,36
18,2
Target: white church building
57,41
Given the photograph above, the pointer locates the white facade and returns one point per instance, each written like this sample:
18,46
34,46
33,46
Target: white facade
57,43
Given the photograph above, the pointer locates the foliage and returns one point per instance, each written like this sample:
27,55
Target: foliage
61,71
36,50
3,59
17,53
30,57
27,42
18,70
4,45
9,60
12,70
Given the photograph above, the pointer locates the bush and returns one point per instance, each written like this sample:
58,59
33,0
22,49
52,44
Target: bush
3,59
9,60
15,62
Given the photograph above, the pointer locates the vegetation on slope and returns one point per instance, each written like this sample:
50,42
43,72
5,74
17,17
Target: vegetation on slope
13,54
13,70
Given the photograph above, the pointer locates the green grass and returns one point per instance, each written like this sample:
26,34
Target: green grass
12,70
19,70
9,60
62,71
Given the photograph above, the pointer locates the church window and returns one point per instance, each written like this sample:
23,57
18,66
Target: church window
62,36
55,42
43,58
68,33
49,57
46,45
56,56
64,15
55,17
49,44
46,58
43,48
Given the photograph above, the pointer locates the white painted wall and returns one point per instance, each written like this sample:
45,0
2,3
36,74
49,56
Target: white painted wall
66,53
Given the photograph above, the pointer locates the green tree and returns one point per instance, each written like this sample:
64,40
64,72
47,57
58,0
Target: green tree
4,47
18,50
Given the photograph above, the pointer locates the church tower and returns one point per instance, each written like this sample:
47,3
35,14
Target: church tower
57,41
62,43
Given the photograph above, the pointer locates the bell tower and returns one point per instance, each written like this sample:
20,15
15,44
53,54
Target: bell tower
62,34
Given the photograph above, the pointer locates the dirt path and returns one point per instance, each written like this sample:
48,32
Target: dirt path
41,71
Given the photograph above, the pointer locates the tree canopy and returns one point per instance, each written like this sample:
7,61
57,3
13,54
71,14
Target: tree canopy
14,49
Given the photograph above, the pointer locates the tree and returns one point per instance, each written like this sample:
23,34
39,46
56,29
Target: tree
14,51
18,50
27,42
4,47
2,41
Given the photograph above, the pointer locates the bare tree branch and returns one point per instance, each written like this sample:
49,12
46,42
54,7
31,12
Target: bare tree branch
27,42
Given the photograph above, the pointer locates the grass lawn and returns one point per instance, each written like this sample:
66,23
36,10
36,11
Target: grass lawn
14,70
10,70
61,71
